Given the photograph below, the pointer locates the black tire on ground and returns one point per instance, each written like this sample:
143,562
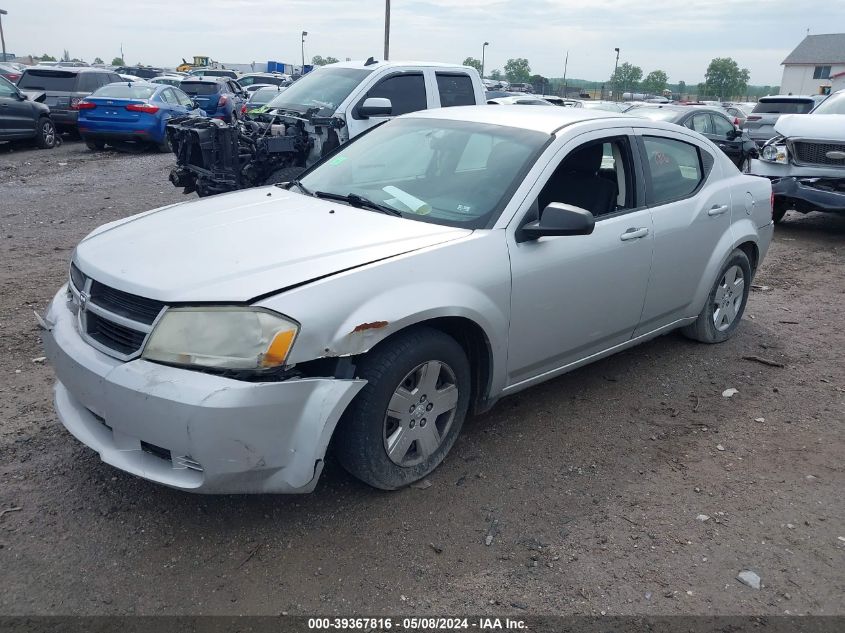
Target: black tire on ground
704,328
285,174
164,147
45,135
779,211
95,146
359,441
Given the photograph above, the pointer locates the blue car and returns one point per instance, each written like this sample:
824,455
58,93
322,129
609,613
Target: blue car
219,97
132,112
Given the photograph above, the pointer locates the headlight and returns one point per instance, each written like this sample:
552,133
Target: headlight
222,337
775,152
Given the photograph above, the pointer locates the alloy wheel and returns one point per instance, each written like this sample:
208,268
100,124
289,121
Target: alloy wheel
728,298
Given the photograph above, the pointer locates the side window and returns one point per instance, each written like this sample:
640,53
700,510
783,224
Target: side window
85,83
722,126
168,96
114,79
597,176
701,124
6,89
406,92
674,168
455,90
182,98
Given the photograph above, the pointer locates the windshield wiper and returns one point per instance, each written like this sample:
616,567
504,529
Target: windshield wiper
359,201
287,185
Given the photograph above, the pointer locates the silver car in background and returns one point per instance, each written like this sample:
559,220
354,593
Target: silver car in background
439,262
760,122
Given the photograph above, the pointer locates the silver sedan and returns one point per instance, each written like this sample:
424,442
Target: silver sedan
436,264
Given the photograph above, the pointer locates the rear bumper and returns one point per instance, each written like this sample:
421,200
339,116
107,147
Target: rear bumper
118,135
64,118
190,430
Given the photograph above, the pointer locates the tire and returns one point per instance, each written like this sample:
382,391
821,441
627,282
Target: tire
400,371
285,174
745,165
723,311
779,211
46,134
95,146
164,147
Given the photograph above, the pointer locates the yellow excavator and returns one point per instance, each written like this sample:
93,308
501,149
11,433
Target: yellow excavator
200,61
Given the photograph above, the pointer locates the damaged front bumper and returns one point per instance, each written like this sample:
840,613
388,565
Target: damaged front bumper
811,194
191,430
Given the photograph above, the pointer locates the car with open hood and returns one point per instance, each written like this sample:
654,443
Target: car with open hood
805,160
432,266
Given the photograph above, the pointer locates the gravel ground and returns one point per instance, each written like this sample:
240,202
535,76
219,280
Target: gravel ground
591,485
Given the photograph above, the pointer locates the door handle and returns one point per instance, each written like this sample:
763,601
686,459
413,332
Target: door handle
633,234
718,210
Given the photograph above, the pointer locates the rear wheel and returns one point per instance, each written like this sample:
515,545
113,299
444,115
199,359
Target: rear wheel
45,136
164,147
725,304
745,165
407,417
95,146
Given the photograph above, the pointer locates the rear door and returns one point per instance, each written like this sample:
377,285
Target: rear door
454,89
724,137
691,210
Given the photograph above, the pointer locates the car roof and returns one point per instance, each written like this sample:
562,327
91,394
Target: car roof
390,64
546,120
72,69
782,98
210,79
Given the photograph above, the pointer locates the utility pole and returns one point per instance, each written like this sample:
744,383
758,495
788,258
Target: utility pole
565,65
304,33
386,30
615,78
3,37
483,51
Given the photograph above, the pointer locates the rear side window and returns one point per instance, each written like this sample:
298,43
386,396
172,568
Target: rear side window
700,123
181,97
199,87
89,82
783,106
406,93
674,167
55,80
722,126
455,90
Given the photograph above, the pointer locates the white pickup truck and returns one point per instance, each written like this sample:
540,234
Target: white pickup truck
806,160
313,117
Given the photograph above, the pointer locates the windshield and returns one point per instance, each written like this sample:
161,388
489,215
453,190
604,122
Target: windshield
456,173
59,80
834,104
122,91
264,95
323,88
784,106
655,114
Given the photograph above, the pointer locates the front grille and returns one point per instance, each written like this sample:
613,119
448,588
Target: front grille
125,304
117,337
816,153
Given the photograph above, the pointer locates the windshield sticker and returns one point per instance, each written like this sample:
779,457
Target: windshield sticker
464,208
337,160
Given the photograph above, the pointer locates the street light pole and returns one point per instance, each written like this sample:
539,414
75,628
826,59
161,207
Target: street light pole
565,65
2,37
386,30
304,33
615,77
483,51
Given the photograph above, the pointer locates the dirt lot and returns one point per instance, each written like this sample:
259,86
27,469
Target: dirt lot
593,482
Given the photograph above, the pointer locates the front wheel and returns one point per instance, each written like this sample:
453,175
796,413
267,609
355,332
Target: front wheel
408,415
725,303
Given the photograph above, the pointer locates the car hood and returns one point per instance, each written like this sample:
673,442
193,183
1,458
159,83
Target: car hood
238,246
827,127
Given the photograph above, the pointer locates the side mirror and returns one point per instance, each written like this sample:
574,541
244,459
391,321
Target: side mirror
559,219
194,105
22,96
734,134
375,106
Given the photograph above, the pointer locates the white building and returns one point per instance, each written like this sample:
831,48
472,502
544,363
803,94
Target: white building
815,65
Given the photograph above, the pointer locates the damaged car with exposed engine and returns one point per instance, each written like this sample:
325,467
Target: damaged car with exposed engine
313,117
441,261
806,160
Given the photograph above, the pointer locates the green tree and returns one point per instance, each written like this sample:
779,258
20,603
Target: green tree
495,74
725,79
518,70
626,78
539,83
46,58
117,61
682,87
655,82
66,56
97,60
318,60
472,62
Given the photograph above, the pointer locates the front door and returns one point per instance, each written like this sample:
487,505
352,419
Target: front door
575,296
16,116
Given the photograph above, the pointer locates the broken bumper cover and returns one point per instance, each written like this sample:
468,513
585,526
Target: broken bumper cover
191,430
808,194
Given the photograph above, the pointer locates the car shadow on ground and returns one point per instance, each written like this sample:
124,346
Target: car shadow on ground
813,225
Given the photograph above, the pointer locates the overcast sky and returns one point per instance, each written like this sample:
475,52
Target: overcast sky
678,36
